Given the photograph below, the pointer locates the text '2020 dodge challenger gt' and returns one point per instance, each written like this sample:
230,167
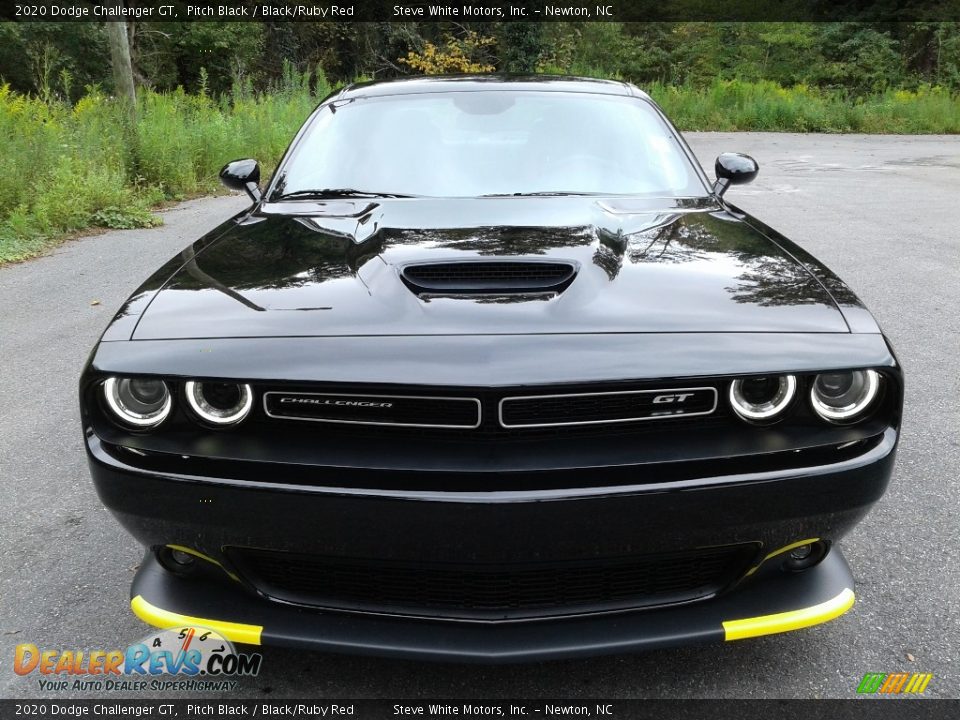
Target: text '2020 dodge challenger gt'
490,370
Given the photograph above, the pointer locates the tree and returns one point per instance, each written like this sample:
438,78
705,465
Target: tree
521,45
120,59
456,55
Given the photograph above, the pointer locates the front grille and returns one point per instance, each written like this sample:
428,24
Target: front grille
493,591
606,407
363,409
487,412
488,276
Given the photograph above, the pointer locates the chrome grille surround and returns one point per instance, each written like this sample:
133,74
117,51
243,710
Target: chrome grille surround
383,402
513,412
667,412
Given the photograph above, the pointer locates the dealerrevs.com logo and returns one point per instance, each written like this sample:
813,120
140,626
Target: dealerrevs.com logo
196,657
895,683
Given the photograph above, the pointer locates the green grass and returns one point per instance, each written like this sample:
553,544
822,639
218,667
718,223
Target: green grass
737,105
69,168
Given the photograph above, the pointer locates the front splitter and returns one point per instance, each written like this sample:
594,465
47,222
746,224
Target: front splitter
778,603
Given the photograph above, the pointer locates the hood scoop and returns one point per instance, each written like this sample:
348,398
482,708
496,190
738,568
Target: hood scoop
496,277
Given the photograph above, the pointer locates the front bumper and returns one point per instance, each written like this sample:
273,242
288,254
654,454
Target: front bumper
767,510
788,601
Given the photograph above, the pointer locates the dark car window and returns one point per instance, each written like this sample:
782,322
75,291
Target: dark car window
467,144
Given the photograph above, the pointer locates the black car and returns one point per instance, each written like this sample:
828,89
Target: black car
490,370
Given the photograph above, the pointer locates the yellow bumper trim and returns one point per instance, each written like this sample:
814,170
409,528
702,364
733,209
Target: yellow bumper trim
234,632
197,553
791,546
790,620
780,551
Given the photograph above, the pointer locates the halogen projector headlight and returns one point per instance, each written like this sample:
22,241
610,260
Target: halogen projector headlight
219,403
762,399
842,396
140,402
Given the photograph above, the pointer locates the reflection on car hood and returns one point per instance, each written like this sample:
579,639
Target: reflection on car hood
333,268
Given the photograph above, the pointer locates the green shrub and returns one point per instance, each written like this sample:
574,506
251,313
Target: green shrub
86,165
762,105
124,218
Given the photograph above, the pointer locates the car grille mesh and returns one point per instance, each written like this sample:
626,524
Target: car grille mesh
479,277
545,410
504,412
492,591
363,409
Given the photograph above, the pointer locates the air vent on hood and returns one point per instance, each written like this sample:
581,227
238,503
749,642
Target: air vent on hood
489,276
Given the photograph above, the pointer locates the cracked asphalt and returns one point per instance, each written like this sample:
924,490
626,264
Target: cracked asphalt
881,211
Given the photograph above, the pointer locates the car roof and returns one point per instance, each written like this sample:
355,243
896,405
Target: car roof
500,82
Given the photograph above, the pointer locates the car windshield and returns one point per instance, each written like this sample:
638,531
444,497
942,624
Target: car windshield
470,144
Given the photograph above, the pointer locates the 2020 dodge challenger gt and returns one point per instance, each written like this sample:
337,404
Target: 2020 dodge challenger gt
490,370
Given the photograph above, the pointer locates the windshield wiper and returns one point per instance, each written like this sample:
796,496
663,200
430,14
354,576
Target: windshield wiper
337,193
545,193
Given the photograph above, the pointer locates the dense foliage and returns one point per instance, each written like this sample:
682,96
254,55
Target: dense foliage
73,166
859,58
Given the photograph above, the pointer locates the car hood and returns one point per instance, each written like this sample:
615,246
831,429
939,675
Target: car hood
334,269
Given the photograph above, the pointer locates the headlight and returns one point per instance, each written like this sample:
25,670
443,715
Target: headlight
140,402
841,396
761,399
219,403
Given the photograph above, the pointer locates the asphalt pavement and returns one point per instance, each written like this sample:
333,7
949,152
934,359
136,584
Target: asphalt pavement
881,211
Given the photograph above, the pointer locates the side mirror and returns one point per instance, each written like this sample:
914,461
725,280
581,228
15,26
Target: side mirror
242,175
733,169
